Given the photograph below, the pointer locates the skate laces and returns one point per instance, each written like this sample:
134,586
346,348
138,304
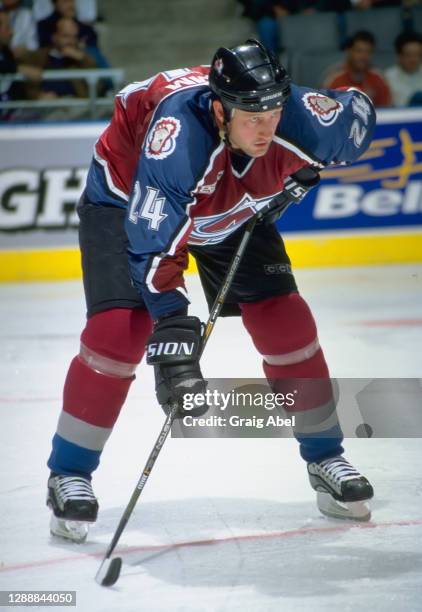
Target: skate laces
338,469
73,488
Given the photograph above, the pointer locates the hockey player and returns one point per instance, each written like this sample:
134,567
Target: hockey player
189,156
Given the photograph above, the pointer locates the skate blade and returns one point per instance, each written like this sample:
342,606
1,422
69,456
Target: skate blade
353,511
76,531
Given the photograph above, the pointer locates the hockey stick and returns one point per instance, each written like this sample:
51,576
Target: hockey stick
109,570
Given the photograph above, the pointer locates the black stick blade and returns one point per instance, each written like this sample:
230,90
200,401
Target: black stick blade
109,572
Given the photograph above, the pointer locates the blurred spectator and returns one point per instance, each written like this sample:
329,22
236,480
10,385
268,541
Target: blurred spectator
64,8
86,10
366,4
266,13
256,9
64,53
86,34
23,26
338,6
347,5
9,89
405,78
357,71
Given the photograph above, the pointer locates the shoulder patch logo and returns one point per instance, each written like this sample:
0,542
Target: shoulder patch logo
161,140
325,109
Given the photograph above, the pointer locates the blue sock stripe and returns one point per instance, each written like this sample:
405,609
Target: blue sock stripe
321,445
70,459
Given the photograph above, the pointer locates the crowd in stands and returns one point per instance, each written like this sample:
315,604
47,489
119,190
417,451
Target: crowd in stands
265,13
405,77
397,85
357,70
40,35
47,35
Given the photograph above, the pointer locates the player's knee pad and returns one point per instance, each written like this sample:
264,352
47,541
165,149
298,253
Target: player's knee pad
99,378
282,328
113,341
284,332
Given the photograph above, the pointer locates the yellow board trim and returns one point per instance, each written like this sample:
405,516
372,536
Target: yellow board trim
315,251
355,250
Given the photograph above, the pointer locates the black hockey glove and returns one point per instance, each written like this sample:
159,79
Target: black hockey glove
173,349
295,189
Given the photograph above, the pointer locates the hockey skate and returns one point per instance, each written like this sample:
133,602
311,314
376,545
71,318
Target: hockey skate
342,492
74,506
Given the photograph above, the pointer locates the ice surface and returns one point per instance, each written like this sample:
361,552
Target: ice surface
260,543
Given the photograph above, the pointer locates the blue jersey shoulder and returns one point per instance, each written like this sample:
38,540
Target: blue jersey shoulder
333,126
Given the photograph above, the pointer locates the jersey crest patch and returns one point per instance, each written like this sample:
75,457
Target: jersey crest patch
161,140
325,109
213,229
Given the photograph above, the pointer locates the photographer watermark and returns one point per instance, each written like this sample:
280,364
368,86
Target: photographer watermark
359,408
238,421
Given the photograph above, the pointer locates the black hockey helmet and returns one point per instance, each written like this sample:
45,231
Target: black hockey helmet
249,77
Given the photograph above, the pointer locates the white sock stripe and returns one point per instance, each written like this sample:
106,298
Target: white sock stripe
315,419
301,354
105,365
82,433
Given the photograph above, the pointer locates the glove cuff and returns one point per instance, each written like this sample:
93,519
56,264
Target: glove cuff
175,341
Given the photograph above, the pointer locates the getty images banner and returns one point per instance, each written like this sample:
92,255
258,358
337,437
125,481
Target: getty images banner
316,408
43,170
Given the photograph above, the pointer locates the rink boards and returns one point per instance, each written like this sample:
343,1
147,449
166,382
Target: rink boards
369,213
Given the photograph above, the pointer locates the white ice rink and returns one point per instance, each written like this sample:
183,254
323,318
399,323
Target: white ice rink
222,525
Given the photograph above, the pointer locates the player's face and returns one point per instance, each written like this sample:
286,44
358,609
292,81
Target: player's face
253,132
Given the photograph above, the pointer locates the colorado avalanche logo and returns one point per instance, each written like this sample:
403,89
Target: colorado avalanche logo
325,109
161,140
213,229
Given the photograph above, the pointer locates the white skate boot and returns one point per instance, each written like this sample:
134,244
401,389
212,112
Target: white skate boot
342,492
74,506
